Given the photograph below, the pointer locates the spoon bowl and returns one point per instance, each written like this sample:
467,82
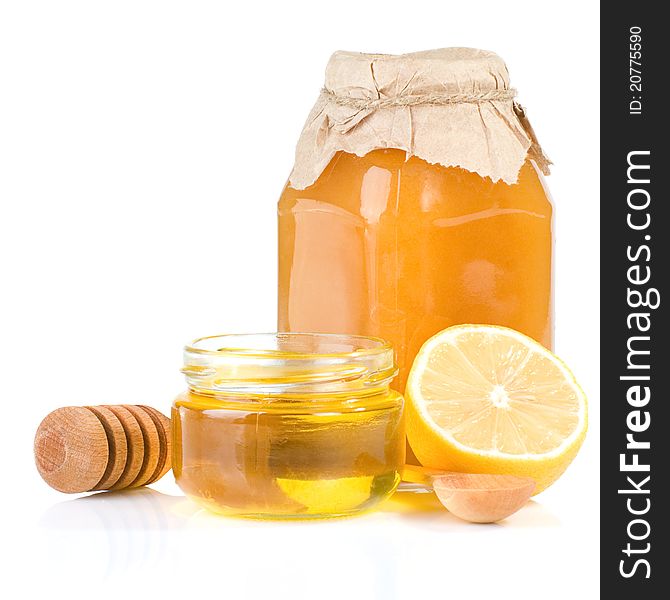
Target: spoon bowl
482,498
474,497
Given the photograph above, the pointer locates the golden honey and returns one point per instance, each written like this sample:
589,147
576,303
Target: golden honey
288,426
387,246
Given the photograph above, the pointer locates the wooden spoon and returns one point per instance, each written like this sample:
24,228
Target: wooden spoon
474,497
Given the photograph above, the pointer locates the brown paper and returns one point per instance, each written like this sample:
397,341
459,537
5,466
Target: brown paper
451,107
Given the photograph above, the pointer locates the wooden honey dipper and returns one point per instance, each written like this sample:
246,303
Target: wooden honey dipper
91,448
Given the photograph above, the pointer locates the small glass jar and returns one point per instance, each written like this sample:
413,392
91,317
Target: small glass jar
288,425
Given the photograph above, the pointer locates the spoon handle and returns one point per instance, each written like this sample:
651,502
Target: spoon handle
421,475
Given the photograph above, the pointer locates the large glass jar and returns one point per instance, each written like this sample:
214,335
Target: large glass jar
288,425
384,242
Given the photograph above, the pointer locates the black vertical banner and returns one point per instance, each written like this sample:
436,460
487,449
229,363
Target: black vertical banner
635,346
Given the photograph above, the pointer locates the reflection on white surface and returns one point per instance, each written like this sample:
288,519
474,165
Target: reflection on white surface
142,535
145,509
138,509
115,532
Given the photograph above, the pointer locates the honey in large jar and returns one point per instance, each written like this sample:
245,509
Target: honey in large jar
384,243
401,249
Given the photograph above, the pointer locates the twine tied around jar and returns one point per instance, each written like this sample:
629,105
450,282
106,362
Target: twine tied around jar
433,99
452,107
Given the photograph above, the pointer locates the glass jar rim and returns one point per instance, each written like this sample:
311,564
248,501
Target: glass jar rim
365,344
288,363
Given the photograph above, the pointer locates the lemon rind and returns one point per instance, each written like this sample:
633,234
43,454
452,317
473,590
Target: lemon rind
452,333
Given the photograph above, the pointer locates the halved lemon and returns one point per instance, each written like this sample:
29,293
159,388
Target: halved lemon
487,399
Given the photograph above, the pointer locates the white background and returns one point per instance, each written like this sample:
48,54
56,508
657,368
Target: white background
143,146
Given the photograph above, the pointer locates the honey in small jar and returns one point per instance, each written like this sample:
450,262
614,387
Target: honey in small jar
288,425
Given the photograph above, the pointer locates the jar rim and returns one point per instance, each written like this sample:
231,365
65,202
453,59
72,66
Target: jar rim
288,363
366,345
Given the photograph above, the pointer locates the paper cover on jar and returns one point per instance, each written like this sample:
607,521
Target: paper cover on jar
452,106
